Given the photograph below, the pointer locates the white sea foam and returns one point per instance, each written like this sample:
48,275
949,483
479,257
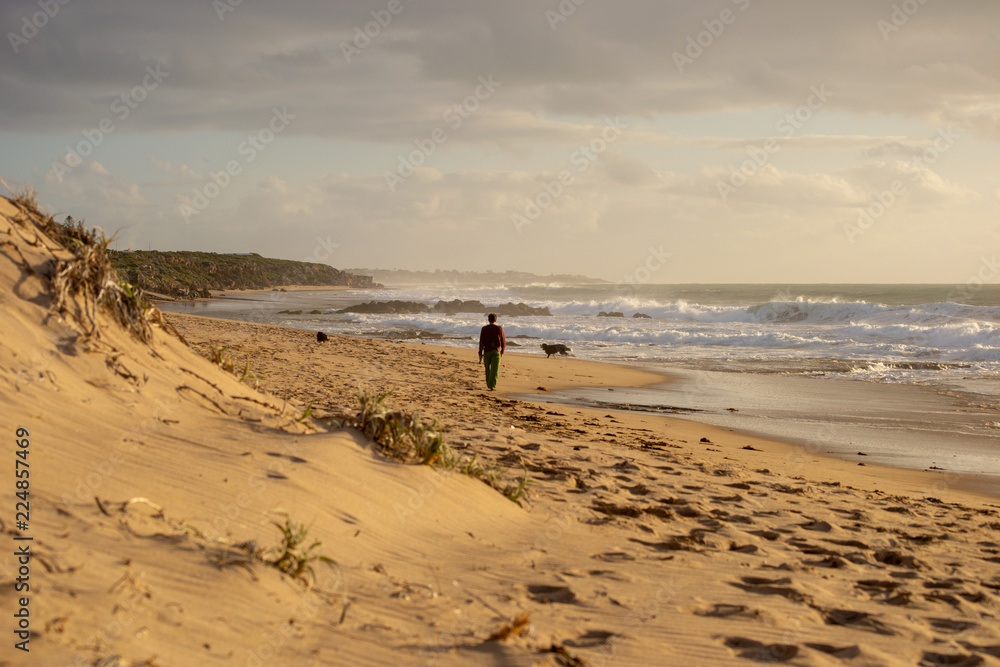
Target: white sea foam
841,329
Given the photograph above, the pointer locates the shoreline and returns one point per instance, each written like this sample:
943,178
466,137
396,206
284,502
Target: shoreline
901,448
780,455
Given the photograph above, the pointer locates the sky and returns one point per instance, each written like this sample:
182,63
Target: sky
719,141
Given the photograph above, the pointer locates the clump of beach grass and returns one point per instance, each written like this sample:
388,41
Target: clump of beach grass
89,274
402,435
292,556
225,361
517,492
408,437
27,198
218,356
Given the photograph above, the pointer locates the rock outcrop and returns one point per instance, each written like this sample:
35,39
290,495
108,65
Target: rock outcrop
446,307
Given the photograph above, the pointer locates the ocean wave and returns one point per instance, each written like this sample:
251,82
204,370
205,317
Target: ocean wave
953,340
799,311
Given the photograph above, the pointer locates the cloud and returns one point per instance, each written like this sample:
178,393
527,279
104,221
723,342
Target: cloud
922,185
180,174
893,148
93,183
686,129
605,59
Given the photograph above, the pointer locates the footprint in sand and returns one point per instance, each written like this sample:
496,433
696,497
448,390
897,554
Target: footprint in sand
988,650
844,652
811,549
849,543
931,659
761,652
547,594
951,625
877,586
818,526
721,610
614,556
856,619
769,535
591,639
897,559
765,586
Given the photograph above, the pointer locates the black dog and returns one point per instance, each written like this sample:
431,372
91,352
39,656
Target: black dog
321,337
555,349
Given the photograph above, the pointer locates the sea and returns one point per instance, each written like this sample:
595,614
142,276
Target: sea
901,375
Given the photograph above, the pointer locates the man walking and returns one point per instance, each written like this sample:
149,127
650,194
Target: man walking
492,344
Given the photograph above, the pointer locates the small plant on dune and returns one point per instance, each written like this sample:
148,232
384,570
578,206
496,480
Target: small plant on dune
307,413
518,492
27,197
246,375
292,557
473,468
218,356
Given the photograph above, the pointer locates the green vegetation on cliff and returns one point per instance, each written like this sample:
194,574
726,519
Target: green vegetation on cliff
178,273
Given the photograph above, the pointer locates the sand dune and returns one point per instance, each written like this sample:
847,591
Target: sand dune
157,478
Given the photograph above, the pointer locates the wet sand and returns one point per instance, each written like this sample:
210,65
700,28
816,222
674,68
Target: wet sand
916,427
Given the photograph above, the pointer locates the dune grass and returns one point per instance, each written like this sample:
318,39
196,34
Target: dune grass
517,492
89,274
292,556
401,435
408,437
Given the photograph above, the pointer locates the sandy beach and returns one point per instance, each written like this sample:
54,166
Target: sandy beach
158,480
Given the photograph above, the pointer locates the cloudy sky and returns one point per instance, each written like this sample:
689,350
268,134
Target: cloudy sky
780,141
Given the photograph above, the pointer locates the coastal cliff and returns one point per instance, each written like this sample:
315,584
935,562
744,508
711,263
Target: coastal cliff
179,273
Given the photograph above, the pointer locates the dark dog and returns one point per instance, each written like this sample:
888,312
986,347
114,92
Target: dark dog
321,337
555,349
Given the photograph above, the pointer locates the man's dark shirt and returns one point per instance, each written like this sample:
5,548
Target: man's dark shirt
491,338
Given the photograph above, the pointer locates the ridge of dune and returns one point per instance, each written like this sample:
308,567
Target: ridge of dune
156,477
